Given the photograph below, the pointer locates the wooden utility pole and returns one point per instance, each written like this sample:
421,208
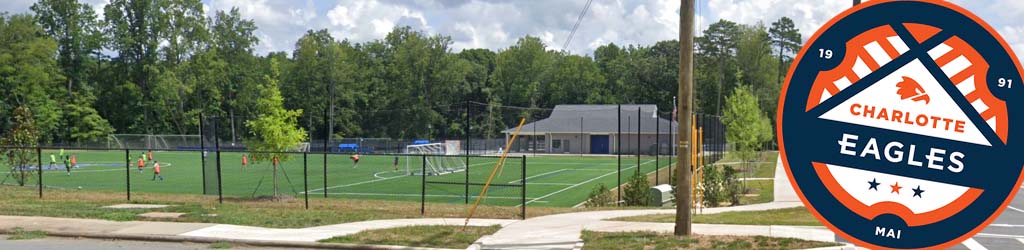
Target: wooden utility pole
683,174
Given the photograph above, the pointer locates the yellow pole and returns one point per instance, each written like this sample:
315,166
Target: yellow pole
493,171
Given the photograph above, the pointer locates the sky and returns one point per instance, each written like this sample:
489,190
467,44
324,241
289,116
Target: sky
496,24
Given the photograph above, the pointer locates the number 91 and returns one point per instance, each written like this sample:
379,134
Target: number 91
1005,83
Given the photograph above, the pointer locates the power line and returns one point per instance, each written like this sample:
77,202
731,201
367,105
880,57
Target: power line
577,25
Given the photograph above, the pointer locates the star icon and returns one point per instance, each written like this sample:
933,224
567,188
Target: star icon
918,191
874,184
895,188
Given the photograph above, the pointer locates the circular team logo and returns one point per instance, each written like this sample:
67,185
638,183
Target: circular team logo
899,124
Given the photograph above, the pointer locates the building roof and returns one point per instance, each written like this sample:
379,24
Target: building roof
598,119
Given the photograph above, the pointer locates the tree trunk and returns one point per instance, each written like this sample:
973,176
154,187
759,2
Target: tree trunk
275,181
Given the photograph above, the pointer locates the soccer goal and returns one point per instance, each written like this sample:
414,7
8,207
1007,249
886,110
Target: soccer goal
438,158
153,141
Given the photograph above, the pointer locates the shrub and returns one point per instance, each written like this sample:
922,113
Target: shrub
637,192
600,197
731,185
712,186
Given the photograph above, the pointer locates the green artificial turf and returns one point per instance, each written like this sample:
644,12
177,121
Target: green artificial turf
556,181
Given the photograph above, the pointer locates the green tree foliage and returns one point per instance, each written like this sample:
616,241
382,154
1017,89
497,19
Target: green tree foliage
77,31
153,66
23,134
275,129
746,126
786,39
29,74
638,191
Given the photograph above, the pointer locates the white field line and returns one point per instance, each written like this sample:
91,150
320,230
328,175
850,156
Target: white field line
539,175
972,244
369,181
1005,225
418,195
1021,240
550,184
1009,236
1015,209
581,183
60,170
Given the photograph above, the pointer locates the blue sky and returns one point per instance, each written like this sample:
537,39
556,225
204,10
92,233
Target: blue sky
495,24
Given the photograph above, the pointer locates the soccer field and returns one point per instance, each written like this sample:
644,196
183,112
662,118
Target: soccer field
560,181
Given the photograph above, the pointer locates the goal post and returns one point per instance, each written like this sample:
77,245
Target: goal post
139,141
438,156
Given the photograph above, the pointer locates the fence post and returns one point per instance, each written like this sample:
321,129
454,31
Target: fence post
467,179
220,184
423,186
39,158
639,133
202,150
618,152
523,177
657,148
128,173
325,174
305,177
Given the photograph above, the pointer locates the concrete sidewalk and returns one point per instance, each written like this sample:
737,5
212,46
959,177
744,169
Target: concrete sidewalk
563,231
208,233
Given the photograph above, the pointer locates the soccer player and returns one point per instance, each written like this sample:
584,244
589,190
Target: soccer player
245,162
142,164
156,171
396,163
355,160
67,164
53,162
149,155
74,163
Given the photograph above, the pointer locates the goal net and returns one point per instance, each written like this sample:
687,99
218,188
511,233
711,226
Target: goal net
139,141
438,156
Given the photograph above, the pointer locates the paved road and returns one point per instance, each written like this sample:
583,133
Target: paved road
57,243
1007,232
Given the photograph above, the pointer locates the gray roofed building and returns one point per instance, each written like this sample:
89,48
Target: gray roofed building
594,129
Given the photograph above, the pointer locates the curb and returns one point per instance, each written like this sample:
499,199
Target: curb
260,243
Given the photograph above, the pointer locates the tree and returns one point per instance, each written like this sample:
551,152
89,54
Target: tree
275,129
77,31
23,134
746,126
716,52
787,38
754,59
29,75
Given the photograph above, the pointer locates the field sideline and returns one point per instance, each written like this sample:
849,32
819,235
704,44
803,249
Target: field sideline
555,181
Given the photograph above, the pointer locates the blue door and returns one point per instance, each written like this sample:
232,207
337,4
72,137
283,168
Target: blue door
599,144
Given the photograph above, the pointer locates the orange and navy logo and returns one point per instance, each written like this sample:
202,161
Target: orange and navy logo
895,124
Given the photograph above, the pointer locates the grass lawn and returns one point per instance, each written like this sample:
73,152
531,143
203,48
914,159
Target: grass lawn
797,216
764,168
651,240
419,236
21,234
764,189
552,181
24,201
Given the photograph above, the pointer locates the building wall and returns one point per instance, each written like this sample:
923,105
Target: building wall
646,146
575,143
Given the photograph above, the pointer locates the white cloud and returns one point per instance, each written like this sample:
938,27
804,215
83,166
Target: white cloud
497,24
367,20
1014,36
